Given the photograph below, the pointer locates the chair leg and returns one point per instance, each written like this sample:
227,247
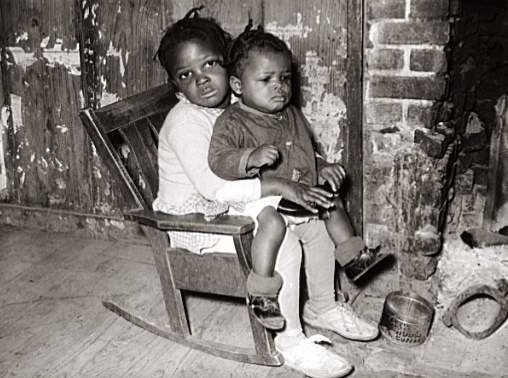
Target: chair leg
172,296
263,338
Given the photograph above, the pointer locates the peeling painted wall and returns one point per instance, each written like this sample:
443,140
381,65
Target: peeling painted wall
59,59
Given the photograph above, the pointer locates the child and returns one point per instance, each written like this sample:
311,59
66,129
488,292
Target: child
263,135
191,51
212,92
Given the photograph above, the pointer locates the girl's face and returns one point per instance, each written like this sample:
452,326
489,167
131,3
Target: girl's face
265,83
199,76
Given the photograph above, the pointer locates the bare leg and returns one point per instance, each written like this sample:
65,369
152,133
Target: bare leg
263,283
338,225
350,250
268,239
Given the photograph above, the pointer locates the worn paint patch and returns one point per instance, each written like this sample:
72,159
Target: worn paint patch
60,183
81,99
18,56
341,36
3,170
55,199
325,111
5,116
123,56
104,208
90,11
286,32
96,173
69,58
55,55
108,98
107,189
59,166
22,37
118,224
16,113
63,129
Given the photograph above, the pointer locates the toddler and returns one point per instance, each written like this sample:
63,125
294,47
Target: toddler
263,135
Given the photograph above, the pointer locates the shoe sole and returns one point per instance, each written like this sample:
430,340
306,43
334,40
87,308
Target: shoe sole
349,337
307,374
380,257
319,376
272,327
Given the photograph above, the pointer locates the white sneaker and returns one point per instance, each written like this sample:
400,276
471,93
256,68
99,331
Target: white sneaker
313,360
341,319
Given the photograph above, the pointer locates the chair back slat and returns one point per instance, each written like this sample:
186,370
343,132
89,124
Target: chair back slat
140,157
153,101
125,135
156,122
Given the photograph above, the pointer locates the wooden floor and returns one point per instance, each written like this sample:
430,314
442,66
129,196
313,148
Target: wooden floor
52,322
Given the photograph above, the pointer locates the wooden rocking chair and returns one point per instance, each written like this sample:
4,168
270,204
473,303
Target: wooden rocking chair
125,135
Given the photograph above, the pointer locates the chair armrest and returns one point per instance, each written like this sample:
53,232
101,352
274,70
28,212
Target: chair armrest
223,224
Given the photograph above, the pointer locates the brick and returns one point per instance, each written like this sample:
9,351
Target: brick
427,241
447,130
419,135
428,61
417,267
408,87
381,113
433,144
413,33
386,9
421,115
429,9
385,59
382,143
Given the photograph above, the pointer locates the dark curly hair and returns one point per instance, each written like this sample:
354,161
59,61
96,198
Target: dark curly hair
190,28
237,53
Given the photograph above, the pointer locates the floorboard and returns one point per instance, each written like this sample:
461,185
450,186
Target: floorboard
53,324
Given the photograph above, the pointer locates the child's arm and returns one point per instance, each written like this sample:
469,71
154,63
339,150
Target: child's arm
227,156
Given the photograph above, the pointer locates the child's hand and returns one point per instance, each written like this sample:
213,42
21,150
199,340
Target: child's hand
266,154
307,196
334,174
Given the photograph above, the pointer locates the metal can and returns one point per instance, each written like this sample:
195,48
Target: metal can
406,318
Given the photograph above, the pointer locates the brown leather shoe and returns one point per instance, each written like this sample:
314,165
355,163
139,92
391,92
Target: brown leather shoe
366,260
267,311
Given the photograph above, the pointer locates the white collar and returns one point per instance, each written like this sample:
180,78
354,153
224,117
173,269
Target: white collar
213,111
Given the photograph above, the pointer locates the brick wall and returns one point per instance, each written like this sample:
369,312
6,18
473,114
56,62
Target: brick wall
405,189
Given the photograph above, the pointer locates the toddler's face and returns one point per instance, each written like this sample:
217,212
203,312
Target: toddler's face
265,84
199,76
